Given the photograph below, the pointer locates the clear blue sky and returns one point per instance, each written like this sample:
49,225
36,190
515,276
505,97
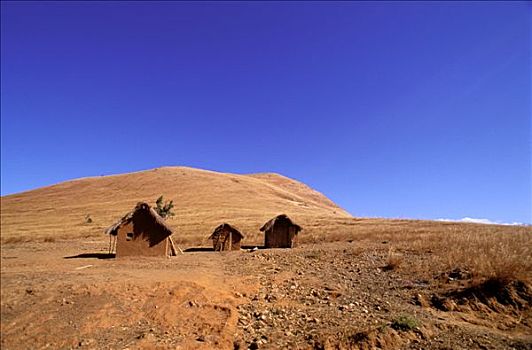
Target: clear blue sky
413,109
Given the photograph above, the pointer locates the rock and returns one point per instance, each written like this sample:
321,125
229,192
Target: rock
66,302
237,344
420,300
270,298
86,342
254,345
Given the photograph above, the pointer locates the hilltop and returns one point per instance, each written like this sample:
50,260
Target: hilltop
203,199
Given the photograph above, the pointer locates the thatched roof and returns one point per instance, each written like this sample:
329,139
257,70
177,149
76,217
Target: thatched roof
283,217
223,227
141,208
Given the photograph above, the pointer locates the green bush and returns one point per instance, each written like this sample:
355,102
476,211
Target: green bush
164,210
404,323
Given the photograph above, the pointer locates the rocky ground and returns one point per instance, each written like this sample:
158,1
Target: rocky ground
339,295
347,296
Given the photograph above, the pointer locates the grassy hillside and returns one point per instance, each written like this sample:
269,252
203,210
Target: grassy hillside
203,199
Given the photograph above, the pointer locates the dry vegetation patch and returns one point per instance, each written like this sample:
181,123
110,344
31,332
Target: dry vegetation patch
486,251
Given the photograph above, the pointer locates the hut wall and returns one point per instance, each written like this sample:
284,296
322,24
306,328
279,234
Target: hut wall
269,239
277,236
222,241
236,242
219,242
281,235
133,239
292,236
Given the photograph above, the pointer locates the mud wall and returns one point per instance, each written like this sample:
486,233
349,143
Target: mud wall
134,240
226,241
280,235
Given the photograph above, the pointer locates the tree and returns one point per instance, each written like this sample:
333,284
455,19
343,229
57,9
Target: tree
164,209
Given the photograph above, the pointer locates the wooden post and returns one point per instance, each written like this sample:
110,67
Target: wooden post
230,240
218,244
173,251
114,244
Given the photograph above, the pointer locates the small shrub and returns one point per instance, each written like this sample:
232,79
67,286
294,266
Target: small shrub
314,254
404,323
88,219
393,260
164,210
382,328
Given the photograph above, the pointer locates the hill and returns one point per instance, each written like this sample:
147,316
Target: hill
202,199
356,283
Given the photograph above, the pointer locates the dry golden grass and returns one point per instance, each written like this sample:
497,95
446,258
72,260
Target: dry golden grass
394,259
205,199
485,251
504,256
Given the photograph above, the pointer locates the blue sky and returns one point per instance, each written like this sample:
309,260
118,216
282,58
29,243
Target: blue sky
410,109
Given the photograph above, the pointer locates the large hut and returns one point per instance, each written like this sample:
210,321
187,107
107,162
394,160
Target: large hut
226,237
280,232
141,232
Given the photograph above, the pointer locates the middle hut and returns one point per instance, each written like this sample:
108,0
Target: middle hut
280,232
226,237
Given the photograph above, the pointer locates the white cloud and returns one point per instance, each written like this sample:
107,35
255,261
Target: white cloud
483,221
478,221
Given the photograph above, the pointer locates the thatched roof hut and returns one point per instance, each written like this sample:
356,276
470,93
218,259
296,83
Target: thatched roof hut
142,232
226,237
280,232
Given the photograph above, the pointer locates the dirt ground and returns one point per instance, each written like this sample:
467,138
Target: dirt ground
69,295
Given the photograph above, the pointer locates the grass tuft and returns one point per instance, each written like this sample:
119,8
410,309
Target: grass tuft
404,323
393,261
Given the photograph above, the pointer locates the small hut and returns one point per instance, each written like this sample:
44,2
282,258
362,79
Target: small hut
226,237
280,232
141,232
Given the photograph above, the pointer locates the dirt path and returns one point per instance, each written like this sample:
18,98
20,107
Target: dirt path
50,301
